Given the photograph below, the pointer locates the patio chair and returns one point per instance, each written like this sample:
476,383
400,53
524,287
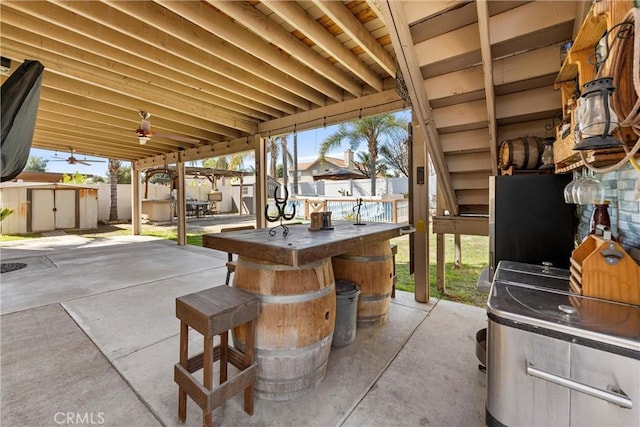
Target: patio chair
231,265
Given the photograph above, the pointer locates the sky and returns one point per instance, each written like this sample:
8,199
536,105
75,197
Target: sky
308,147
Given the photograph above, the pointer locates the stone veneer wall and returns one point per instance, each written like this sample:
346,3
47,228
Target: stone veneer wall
622,189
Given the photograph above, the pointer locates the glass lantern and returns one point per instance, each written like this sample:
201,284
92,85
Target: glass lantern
547,154
596,119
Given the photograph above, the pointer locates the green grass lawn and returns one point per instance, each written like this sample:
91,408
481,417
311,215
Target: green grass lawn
460,283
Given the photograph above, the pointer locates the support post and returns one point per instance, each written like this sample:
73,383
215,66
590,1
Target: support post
420,212
181,203
136,202
457,252
440,248
260,195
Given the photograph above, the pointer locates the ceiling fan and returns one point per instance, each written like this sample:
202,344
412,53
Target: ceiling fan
72,160
144,131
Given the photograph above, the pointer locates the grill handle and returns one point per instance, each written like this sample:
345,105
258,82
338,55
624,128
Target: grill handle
619,399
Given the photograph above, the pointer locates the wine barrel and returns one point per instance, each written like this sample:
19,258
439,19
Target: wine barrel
521,153
371,269
295,326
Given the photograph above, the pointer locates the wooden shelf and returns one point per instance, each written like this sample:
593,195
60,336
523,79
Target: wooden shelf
601,17
576,62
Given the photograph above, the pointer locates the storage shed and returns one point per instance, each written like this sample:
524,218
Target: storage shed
39,207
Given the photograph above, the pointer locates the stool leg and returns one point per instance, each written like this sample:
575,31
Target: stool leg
224,355
208,376
184,356
248,360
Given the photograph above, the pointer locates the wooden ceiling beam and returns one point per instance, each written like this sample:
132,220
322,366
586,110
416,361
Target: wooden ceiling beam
132,32
181,101
204,71
196,26
357,31
296,16
82,118
160,106
300,53
489,89
55,94
370,105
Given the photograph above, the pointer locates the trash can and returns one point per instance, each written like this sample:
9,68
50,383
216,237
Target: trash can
346,313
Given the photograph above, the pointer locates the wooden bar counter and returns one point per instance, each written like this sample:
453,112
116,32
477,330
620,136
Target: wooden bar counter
293,278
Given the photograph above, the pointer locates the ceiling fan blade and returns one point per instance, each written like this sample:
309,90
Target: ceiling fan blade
176,137
83,162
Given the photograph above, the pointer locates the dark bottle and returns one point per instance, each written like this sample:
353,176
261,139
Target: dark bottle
600,216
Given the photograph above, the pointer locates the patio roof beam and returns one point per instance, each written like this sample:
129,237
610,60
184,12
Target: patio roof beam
94,82
204,152
110,124
357,31
136,33
212,79
62,58
273,67
300,53
370,105
296,16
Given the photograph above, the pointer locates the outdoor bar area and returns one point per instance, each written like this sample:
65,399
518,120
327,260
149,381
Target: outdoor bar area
470,258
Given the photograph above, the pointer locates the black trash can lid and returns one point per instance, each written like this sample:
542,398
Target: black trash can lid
346,288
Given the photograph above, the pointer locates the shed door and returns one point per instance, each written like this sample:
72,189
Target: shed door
42,210
65,208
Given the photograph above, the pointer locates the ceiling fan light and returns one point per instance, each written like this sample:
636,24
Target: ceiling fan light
142,139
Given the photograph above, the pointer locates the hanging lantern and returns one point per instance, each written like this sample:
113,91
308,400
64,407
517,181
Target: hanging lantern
596,120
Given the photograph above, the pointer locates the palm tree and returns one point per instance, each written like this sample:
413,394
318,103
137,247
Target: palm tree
273,148
114,166
371,130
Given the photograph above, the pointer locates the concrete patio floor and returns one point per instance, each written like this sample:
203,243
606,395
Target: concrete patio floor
89,333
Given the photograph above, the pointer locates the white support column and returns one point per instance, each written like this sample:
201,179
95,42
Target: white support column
181,204
260,195
420,191
136,201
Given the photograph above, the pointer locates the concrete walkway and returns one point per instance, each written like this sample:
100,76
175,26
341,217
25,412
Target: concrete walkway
89,336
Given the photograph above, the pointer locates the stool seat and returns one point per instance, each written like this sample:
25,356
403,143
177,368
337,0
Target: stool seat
213,312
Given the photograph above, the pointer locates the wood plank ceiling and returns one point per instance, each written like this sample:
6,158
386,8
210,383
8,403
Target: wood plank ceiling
209,72
214,73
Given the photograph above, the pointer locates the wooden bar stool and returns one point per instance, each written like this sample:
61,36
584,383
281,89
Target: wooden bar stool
214,312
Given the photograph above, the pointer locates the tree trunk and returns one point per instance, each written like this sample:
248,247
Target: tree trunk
114,165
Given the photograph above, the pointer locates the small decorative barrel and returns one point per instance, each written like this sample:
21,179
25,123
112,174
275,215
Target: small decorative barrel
371,269
295,326
521,153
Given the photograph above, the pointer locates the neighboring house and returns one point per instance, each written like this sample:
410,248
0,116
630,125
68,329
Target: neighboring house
307,170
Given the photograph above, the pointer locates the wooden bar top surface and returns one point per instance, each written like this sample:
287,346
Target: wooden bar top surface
301,246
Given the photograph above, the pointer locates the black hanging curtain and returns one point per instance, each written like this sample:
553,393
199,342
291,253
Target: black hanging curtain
20,95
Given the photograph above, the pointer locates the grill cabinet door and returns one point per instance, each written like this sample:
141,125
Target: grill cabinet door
515,398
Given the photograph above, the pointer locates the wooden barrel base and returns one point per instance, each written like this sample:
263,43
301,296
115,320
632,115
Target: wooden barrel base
371,268
295,326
